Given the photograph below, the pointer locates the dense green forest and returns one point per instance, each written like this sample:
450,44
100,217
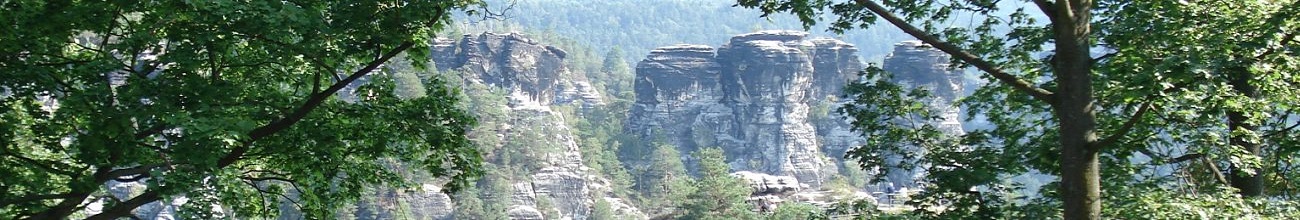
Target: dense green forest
637,27
1087,109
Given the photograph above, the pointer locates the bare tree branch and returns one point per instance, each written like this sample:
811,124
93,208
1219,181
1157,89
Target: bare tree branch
1185,158
1012,80
1103,57
142,169
1214,168
124,209
1282,131
315,100
44,165
1046,7
32,198
1126,128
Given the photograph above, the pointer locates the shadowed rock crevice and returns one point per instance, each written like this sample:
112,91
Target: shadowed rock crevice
768,100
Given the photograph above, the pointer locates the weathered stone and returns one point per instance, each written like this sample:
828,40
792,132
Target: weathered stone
429,203
514,62
764,184
523,212
835,63
768,99
678,94
751,98
624,210
535,78
919,65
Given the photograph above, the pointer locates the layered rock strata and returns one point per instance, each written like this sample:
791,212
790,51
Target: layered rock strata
915,64
750,97
768,100
534,78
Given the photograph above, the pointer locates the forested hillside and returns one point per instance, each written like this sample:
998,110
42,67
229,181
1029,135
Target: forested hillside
630,109
638,26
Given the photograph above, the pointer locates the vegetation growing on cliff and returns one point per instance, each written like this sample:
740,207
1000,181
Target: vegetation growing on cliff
1156,109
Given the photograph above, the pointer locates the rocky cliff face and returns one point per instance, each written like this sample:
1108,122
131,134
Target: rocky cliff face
517,64
768,99
751,97
534,78
918,65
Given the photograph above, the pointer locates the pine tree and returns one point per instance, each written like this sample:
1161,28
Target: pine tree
469,205
665,177
718,195
602,210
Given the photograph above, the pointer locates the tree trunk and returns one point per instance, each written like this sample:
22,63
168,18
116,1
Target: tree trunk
1250,185
1080,177
1072,103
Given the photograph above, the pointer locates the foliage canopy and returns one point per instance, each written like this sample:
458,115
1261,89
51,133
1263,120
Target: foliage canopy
1122,91
229,103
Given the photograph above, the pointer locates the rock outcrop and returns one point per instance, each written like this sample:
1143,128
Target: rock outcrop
534,79
166,209
918,64
515,63
765,184
915,64
768,100
425,202
751,97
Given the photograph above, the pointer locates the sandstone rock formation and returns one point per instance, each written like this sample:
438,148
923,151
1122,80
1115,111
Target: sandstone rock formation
918,65
751,97
768,99
514,62
535,78
765,184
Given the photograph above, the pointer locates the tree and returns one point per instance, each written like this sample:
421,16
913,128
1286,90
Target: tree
1051,112
665,178
1068,92
497,194
717,195
1243,61
216,98
469,205
616,73
797,210
406,80
602,210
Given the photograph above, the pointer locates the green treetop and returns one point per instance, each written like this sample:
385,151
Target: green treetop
717,195
1073,85
227,102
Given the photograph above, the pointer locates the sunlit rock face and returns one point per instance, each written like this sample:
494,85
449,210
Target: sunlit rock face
533,78
768,100
768,82
918,64
915,64
424,202
677,95
514,62
750,97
